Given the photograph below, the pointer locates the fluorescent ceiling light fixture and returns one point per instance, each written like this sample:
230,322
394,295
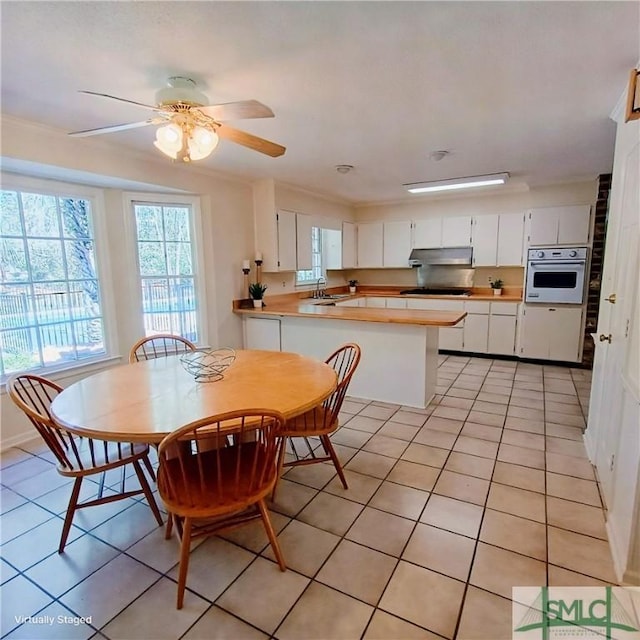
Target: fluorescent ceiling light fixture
457,183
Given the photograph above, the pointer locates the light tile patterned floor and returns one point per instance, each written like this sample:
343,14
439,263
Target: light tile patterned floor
448,508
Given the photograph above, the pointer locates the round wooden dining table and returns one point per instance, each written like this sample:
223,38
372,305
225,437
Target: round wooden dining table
147,400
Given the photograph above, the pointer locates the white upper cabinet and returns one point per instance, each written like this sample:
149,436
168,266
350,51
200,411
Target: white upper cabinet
427,233
331,248
497,240
456,232
442,232
560,225
396,244
511,250
484,240
349,247
370,244
303,241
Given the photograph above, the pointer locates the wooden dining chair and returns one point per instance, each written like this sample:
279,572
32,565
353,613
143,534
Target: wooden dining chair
78,457
322,420
159,346
208,489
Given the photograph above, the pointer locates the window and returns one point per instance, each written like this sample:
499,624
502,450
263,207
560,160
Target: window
50,301
166,268
310,276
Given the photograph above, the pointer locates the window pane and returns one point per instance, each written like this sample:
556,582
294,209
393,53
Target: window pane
13,261
45,257
176,222
149,222
179,258
75,218
50,309
10,224
152,259
40,215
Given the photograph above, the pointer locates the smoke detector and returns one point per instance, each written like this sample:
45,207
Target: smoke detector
344,168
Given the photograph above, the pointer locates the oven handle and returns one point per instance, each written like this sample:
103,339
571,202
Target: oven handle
556,264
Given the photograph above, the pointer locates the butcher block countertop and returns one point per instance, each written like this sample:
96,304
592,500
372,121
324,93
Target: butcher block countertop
304,309
303,306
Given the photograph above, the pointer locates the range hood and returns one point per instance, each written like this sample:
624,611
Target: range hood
444,256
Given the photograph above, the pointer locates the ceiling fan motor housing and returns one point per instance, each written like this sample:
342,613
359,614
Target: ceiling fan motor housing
180,91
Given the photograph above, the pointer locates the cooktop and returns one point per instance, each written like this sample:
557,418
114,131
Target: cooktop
427,291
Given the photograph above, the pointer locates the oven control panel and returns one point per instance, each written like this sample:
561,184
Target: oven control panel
573,253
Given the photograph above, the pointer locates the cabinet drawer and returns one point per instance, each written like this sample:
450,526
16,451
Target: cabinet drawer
376,302
396,303
504,308
476,306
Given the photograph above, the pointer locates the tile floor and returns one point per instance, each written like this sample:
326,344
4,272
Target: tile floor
447,509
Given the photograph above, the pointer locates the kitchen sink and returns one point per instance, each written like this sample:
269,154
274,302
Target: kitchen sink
330,303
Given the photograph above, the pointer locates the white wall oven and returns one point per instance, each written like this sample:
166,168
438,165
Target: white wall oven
556,275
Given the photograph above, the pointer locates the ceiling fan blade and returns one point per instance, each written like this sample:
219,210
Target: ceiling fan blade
105,95
252,142
237,110
113,128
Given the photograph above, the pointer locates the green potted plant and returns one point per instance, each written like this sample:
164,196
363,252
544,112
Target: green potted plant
352,286
496,285
256,291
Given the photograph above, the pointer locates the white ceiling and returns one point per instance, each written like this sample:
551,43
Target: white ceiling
523,87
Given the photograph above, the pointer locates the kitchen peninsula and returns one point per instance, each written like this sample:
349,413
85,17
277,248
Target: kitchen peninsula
399,346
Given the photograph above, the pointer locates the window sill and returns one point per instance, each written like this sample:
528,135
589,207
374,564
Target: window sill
68,371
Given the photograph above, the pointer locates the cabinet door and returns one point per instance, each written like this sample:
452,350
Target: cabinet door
331,248
376,303
484,241
551,333
538,322
451,338
543,226
303,241
456,232
511,251
262,333
349,245
502,335
574,224
476,333
566,337
369,244
287,240
396,244
427,233
396,303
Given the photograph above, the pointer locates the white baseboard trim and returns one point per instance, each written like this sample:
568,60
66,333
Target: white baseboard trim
17,440
619,559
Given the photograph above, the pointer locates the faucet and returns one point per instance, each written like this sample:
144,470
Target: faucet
319,293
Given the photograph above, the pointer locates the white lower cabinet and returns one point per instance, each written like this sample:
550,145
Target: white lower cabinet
476,333
262,333
396,303
551,333
502,335
376,303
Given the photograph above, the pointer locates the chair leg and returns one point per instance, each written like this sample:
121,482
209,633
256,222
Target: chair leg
281,451
147,492
271,534
185,548
71,509
328,447
147,463
168,530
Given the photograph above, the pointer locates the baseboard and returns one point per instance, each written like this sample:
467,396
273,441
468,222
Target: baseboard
619,560
16,441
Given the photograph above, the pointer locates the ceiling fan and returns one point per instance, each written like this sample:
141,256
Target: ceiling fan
190,126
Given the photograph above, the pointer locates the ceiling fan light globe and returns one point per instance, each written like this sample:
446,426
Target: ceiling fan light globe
202,142
169,140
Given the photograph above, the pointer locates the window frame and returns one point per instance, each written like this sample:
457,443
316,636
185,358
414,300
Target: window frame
196,231
323,270
95,196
